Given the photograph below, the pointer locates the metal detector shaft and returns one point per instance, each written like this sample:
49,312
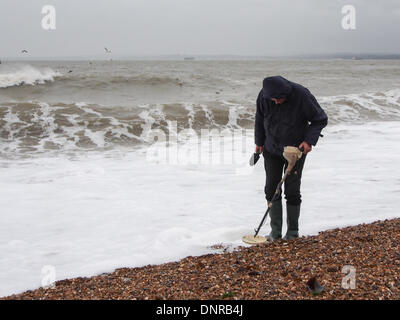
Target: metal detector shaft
277,191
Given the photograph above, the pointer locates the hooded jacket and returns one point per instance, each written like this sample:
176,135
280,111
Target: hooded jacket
300,118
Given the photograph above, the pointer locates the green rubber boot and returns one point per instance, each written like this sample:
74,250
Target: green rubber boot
276,221
292,219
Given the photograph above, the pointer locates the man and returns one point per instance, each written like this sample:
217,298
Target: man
287,115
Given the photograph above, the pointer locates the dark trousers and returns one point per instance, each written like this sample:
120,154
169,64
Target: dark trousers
274,167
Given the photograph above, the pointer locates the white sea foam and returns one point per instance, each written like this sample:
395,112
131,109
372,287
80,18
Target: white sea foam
95,212
26,75
209,115
191,114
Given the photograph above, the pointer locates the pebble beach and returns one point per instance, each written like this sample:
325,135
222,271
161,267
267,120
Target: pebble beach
278,270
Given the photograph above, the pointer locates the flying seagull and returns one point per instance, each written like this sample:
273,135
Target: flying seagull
107,50
24,51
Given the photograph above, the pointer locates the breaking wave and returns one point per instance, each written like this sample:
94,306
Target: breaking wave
38,127
26,75
363,107
35,127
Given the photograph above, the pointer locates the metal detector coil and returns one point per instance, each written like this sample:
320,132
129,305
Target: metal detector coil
251,239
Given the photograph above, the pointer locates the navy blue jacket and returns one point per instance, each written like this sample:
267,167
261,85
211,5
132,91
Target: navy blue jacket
300,118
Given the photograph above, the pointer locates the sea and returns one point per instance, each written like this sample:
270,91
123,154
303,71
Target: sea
110,164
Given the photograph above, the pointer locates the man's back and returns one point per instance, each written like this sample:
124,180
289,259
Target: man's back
299,118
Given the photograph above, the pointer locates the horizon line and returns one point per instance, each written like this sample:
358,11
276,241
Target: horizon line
180,56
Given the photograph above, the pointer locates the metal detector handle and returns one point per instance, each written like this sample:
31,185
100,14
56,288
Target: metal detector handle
295,165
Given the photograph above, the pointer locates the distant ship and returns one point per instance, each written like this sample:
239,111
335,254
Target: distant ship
356,58
188,58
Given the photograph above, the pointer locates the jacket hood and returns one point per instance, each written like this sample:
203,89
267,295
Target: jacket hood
276,87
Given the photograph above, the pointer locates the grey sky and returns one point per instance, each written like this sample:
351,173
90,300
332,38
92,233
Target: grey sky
240,27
